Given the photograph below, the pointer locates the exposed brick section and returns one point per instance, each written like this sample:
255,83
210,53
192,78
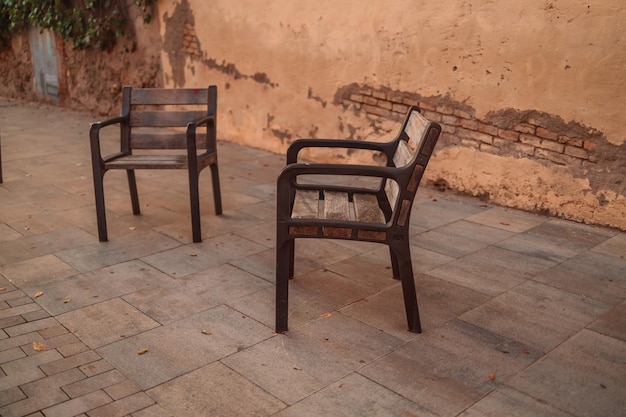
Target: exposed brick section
528,137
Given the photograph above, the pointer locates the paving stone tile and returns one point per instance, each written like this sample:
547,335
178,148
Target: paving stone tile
447,370
24,370
152,411
441,209
355,395
508,402
584,376
41,394
92,384
615,246
195,293
122,389
214,390
36,315
590,274
106,322
10,396
72,293
507,219
74,361
536,314
612,323
95,368
21,340
15,302
19,310
98,255
58,342
320,292
439,302
460,238
292,366
9,355
78,405
47,243
32,272
555,240
124,406
491,270
182,346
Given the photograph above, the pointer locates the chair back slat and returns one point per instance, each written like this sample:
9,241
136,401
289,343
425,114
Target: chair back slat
162,96
164,140
164,118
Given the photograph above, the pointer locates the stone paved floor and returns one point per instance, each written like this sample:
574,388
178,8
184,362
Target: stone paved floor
523,315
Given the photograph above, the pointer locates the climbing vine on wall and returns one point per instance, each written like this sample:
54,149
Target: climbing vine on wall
87,23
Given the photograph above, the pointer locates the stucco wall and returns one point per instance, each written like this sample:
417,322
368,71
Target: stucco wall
531,94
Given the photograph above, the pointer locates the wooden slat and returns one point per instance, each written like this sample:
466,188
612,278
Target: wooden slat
403,154
366,209
305,205
164,140
392,190
169,96
415,128
336,206
161,118
149,162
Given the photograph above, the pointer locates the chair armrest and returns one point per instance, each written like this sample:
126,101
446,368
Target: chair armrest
296,146
211,139
290,172
94,134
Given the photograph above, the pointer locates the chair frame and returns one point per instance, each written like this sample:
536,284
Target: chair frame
134,117
393,231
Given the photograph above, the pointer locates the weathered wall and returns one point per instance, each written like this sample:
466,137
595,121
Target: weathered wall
530,94
89,79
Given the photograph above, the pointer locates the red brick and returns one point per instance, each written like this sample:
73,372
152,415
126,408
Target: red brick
400,108
524,128
469,124
450,120
445,110
369,100
552,146
384,104
488,129
530,140
508,134
376,110
462,114
546,134
576,152
356,97
588,145
379,95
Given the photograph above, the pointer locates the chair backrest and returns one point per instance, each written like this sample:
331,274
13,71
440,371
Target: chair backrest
416,143
154,114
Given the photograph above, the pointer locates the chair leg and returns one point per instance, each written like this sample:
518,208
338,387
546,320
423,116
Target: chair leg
283,248
394,264
98,186
403,254
132,186
217,193
194,201
290,257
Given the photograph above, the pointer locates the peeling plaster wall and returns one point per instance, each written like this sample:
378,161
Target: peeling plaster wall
288,69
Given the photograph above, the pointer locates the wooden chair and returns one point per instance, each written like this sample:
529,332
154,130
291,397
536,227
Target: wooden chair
149,138
331,211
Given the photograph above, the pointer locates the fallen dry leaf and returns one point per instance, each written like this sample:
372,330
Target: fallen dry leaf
492,377
132,228
3,289
329,314
142,351
38,294
204,331
39,347
505,223
297,368
526,351
67,300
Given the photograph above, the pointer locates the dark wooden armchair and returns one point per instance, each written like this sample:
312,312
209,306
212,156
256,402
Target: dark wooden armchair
149,138
380,214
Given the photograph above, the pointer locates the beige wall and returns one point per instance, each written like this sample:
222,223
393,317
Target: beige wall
285,68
